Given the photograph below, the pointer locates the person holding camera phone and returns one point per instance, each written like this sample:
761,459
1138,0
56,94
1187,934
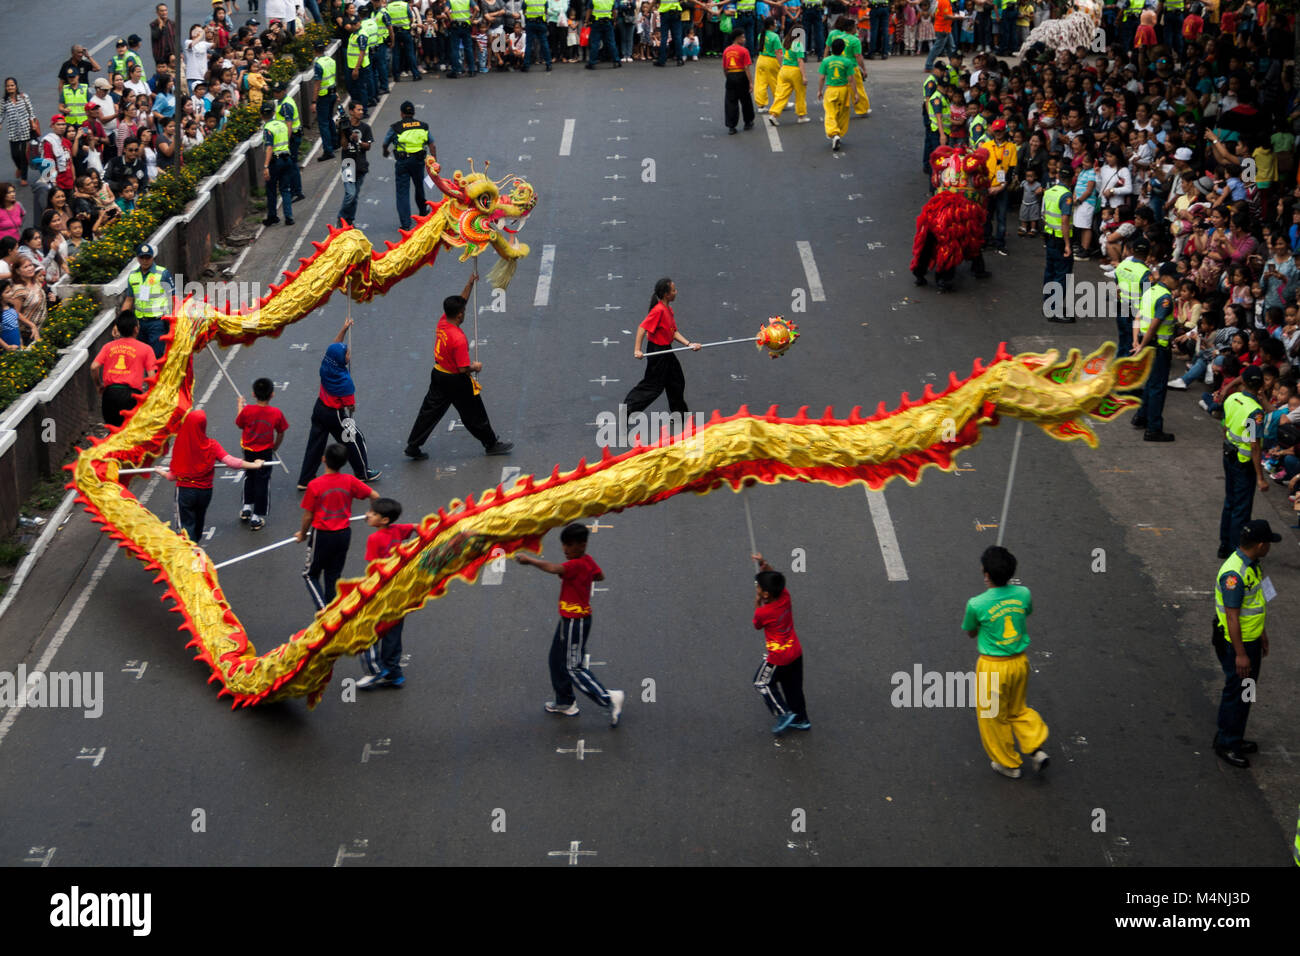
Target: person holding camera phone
355,140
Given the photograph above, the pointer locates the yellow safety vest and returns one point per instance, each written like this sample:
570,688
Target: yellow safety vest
1134,10
148,294
1236,411
602,9
1252,606
460,11
535,9
293,107
354,50
399,11
378,28
1147,315
743,6
327,72
1053,218
1174,6
74,104
1129,276
670,6
412,136
279,131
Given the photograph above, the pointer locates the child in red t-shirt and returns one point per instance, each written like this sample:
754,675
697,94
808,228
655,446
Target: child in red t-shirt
383,659
569,646
263,429
326,512
780,677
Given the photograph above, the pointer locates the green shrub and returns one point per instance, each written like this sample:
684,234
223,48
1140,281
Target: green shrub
20,371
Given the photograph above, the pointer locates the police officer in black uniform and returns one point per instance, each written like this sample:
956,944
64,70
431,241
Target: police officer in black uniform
409,138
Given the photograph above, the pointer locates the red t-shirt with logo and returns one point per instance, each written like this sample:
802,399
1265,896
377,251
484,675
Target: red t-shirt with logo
260,424
660,325
735,58
382,541
450,347
777,622
576,578
126,362
329,499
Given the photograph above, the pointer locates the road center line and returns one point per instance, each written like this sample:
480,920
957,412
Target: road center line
102,43
773,138
889,549
543,294
810,270
566,141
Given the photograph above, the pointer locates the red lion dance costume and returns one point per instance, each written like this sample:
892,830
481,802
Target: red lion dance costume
950,227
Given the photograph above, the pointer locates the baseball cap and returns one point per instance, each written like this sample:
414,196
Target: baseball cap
407,106
998,124
58,118
1167,269
1252,376
145,251
133,39
70,71
252,22
1183,153
1257,531
121,41
91,106
101,83
318,45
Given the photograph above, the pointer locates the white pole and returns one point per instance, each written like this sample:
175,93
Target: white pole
269,547
749,521
703,345
1011,475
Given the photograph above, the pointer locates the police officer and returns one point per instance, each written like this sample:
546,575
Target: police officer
286,108
326,71
122,60
934,105
73,98
399,16
1243,466
1172,18
151,289
1156,326
358,61
1132,276
379,25
278,168
670,26
601,19
409,138
879,20
1056,240
461,12
814,28
1132,17
1240,636
1007,35
746,20
535,32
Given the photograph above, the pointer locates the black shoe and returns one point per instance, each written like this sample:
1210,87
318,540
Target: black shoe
523,69
373,475
1157,436
270,220
657,63
591,66
548,68
1061,319
418,76
415,453
749,126
500,448
324,157
299,198
1233,757
680,61
1248,747
618,65
453,76
731,131
288,222
1138,422
920,280
983,275
1224,553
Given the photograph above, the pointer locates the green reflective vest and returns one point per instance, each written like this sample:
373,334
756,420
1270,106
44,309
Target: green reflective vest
535,9
74,104
293,109
1174,6
742,6
938,111
1147,315
977,129
669,6
1129,276
1236,413
327,75
356,56
122,64
1053,218
1252,606
147,293
929,86
602,9
399,11
378,28
1134,9
279,131
459,10
412,136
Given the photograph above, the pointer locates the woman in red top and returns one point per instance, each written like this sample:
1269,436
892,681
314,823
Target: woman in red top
194,459
331,416
662,372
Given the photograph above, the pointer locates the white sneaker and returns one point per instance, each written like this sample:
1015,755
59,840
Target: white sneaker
1040,760
1177,384
868,112
771,118
803,119
1011,773
615,706
835,144
245,512
570,710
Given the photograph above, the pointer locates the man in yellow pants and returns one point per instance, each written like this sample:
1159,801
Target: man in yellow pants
768,65
997,619
835,91
791,80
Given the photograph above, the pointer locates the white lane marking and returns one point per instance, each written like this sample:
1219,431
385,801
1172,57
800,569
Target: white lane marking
52,527
889,549
810,270
102,43
74,614
1011,477
773,138
543,294
566,141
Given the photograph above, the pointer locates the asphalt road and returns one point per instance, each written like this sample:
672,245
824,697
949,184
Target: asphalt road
418,776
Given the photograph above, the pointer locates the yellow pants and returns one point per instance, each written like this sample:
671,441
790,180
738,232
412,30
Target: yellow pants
836,103
789,80
863,105
1008,716
765,79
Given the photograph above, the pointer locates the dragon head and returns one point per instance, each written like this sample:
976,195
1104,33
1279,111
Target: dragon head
478,211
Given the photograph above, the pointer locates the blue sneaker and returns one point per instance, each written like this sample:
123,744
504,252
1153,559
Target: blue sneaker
783,723
397,681
371,681
801,725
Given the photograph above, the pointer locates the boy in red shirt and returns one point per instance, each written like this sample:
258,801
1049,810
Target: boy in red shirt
569,646
263,430
121,368
780,677
383,660
326,512
736,65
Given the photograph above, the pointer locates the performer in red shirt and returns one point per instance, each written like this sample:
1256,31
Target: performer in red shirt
326,512
452,383
780,677
737,65
121,368
383,659
262,428
663,372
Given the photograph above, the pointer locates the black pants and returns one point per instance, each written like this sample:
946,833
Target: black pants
116,400
192,510
326,553
568,651
662,373
385,655
445,391
328,423
257,483
738,100
781,687
18,150
1234,709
